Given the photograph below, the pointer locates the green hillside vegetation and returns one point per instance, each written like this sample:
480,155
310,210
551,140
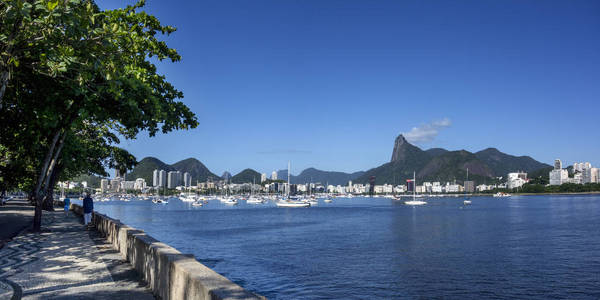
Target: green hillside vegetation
145,167
441,165
324,177
246,176
501,164
197,170
453,165
93,181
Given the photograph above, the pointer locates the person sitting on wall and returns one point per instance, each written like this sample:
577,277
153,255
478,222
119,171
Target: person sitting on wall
88,208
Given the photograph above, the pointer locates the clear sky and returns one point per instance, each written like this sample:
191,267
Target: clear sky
330,84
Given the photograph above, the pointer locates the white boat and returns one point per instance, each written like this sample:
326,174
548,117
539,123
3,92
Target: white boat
160,201
327,200
284,203
466,202
254,200
501,195
291,201
197,203
231,201
187,198
414,201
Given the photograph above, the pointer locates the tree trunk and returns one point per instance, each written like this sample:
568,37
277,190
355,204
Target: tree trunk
4,82
37,218
43,178
49,200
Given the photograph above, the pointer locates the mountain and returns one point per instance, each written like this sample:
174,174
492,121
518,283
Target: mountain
404,151
93,181
439,164
436,151
406,158
453,165
146,167
226,176
334,178
501,164
197,170
246,176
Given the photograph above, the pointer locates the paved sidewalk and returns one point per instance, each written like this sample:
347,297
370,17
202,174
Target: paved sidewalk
66,262
15,216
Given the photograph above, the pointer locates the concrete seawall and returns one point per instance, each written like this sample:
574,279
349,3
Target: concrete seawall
169,273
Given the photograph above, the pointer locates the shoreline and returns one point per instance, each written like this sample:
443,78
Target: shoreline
169,273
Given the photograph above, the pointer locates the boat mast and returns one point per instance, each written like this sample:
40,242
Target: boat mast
414,185
289,187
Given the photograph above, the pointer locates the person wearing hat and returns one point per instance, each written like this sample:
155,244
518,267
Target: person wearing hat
88,208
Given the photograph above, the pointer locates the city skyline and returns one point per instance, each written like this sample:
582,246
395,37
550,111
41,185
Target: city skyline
330,86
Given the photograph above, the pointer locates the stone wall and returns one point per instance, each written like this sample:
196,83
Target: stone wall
169,273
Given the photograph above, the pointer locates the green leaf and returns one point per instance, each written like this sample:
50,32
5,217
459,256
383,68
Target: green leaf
52,4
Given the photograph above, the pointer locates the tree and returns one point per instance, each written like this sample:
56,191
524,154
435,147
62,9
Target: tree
73,66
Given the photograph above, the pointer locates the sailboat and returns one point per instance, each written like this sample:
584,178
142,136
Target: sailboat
327,196
253,199
414,201
466,201
291,201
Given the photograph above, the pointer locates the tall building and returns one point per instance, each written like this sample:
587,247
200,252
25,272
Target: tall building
115,185
595,175
558,176
173,179
263,177
274,175
410,185
155,178
104,185
470,186
162,178
557,164
140,184
187,179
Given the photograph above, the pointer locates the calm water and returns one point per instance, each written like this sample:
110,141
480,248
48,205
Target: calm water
367,248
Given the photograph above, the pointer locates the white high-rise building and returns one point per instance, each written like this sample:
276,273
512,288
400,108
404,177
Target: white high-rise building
173,179
263,177
557,164
155,178
140,184
594,175
559,175
104,185
274,175
162,178
187,179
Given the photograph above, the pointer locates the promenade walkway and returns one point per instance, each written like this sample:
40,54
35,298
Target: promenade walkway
65,262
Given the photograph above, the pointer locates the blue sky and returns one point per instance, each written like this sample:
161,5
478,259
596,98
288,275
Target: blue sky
330,84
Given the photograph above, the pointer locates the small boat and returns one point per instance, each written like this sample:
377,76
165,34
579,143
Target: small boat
231,201
501,195
291,203
467,201
414,201
254,200
160,201
328,200
197,203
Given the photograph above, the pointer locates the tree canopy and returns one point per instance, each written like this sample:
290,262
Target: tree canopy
74,79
